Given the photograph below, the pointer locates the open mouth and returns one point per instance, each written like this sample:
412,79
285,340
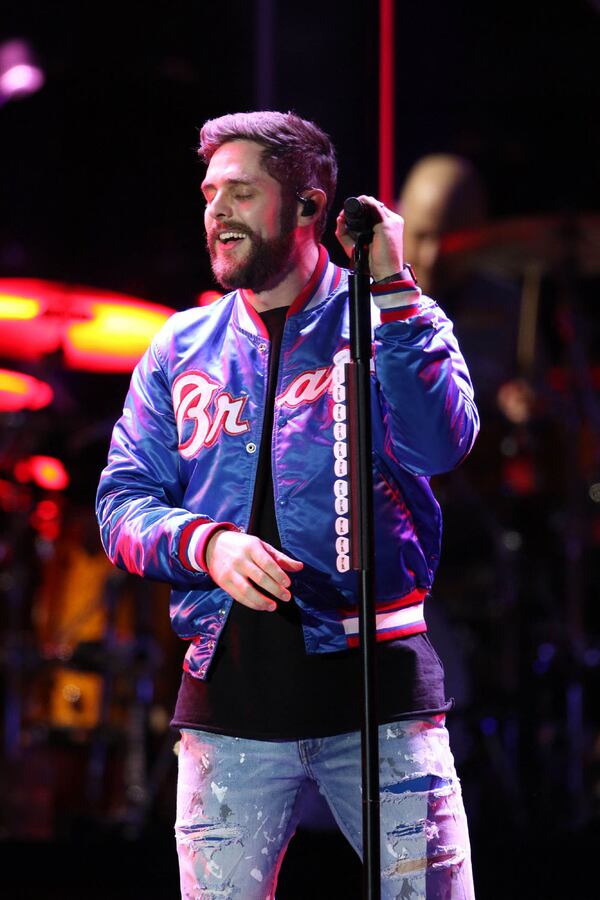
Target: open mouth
230,238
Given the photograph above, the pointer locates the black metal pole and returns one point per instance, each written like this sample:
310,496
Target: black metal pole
362,549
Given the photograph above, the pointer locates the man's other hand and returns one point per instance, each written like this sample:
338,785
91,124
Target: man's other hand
241,563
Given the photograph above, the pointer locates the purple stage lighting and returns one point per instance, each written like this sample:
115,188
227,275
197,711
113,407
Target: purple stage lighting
19,73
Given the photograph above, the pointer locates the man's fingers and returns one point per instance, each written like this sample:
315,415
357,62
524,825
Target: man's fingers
341,232
262,555
378,206
263,580
243,565
287,562
273,562
245,593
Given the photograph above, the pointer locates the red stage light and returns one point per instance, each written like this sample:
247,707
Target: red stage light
45,519
49,473
115,338
208,297
45,471
19,392
94,330
48,510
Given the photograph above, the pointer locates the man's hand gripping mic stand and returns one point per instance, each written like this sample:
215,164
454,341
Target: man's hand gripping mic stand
359,221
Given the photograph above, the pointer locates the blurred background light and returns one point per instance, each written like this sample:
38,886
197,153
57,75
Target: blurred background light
19,392
46,472
20,75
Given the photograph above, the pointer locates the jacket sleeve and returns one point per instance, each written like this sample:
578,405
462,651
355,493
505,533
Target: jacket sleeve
144,526
425,391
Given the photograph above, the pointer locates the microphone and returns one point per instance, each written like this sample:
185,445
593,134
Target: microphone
360,217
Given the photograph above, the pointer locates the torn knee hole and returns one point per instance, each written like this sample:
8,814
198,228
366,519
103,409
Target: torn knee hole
420,784
211,833
441,858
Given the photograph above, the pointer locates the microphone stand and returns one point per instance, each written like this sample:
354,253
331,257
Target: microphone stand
362,550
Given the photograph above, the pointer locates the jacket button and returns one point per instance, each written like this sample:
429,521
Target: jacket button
251,447
262,347
211,645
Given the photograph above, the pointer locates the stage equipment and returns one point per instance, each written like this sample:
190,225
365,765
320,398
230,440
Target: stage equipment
387,102
511,246
360,220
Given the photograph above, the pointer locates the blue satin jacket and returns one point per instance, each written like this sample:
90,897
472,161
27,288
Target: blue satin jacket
185,451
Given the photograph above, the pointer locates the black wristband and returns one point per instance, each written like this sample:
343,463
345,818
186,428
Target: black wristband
405,274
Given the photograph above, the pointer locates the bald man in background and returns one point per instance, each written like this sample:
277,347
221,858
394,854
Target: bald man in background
444,194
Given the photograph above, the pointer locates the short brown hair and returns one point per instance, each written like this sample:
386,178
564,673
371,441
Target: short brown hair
297,153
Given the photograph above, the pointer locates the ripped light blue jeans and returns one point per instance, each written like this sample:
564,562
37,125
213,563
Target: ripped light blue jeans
237,810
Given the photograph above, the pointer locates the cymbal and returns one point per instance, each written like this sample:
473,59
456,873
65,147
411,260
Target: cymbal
90,329
511,246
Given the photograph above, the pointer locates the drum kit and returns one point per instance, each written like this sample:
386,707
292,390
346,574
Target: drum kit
71,638
77,647
526,250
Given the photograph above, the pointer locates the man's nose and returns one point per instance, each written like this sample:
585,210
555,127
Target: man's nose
219,207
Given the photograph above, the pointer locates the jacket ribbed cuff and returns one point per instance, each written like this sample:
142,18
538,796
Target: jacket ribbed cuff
194,540
397,300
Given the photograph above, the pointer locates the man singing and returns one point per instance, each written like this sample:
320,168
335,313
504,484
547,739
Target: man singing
227,477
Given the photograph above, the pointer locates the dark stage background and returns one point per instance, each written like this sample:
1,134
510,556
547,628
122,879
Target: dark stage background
100,187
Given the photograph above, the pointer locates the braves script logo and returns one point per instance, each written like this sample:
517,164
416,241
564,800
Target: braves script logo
310,385
193,394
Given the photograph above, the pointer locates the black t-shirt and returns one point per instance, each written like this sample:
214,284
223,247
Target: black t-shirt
264,685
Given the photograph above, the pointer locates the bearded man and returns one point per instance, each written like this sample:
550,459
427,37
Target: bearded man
225,478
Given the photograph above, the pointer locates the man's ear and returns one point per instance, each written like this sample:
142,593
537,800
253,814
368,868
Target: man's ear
311,203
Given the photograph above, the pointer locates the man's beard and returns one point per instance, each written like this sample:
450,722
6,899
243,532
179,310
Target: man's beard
266,264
